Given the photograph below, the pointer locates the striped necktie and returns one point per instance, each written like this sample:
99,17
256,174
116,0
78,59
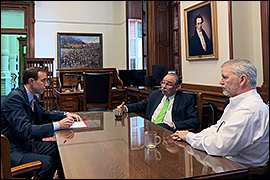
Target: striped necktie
162,112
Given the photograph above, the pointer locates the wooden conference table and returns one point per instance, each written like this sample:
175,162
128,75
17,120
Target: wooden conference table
113,148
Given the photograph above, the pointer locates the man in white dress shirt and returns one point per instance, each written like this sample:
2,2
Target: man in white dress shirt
242,132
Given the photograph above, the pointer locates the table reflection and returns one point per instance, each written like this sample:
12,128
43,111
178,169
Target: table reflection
118,151
136,126
120,120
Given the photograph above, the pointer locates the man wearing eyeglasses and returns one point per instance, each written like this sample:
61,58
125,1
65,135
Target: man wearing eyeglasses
180,110
25,123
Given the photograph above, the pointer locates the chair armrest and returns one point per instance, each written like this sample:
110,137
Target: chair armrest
26,168
258,170
194,130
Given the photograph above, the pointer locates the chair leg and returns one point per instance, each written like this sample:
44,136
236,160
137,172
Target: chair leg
35,175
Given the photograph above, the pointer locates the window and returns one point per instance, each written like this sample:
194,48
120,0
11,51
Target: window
17,42
12,18
135,44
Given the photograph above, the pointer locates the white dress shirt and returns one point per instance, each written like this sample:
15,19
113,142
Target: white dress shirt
200,34
241,134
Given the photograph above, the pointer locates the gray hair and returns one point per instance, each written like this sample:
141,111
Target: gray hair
243,66
177,78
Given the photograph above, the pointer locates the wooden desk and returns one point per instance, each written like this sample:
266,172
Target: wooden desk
114,149
73,101
68,101
117,97
136,95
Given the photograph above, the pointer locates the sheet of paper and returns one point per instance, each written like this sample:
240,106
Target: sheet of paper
79,124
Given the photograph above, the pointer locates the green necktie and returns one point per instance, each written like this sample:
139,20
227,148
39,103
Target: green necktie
162,112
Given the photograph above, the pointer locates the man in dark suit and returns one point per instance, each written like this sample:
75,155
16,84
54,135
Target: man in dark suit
199,43
25,123
181,112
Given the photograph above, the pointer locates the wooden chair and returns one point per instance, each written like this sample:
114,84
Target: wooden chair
10,173
198,98
97,90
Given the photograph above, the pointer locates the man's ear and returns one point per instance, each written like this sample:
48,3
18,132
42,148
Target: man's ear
31,81
243,79
177,87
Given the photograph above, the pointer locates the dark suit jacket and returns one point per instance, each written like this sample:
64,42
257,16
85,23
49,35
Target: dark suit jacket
184,113
17,123
195,46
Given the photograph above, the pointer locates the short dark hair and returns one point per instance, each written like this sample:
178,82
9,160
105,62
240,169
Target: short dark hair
198,16
31,72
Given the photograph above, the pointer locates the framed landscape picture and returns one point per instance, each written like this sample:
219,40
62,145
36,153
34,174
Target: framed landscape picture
79,50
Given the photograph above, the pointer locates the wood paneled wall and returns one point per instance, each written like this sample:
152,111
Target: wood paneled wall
210,93
159,37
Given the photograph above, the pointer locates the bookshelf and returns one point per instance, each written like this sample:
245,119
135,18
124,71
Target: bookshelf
176,34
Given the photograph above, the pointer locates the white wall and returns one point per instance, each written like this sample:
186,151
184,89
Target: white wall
247,42
106,17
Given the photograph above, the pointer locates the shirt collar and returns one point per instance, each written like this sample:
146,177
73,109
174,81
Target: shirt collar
170,97
199,32
234,101
29,94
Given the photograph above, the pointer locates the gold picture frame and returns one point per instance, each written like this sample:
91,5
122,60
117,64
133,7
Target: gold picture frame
79,50
201,16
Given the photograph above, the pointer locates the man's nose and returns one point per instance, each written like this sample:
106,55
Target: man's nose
221,82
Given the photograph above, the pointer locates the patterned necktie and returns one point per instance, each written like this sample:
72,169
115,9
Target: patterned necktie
162,112
33,104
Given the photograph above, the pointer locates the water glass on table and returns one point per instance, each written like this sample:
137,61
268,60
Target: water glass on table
118,112
151,139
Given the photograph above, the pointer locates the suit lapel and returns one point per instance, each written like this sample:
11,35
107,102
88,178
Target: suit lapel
29,108
37,112
158,100
36,116
155,104
22,88
176,101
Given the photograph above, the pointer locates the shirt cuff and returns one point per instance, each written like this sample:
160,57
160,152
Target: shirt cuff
126,108
189,137
56,126
174,127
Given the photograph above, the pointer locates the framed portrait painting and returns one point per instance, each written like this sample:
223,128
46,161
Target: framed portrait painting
79,50
201,31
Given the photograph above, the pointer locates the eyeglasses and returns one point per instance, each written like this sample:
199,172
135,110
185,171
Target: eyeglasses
167,83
